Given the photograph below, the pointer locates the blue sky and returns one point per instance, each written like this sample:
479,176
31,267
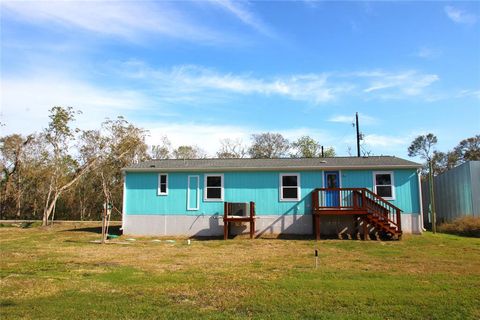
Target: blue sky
198,72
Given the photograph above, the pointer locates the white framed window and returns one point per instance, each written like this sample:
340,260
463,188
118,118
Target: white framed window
162,189
383,184
213,187
290,187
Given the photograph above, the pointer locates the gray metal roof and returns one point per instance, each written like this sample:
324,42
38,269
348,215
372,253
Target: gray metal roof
247,164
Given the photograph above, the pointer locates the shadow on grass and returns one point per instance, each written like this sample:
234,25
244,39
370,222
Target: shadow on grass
265,237
111,230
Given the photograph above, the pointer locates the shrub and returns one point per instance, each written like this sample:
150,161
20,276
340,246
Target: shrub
465,226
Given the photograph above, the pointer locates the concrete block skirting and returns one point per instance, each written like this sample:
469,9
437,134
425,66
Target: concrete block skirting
204,225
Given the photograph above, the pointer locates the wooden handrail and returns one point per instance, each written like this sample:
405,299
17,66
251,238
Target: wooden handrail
358,189
381,199
384,208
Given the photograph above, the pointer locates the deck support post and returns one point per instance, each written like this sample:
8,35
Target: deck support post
225,222
252,219
365,230
355,227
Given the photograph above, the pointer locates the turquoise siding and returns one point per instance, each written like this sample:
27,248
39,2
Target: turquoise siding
261,187
406,186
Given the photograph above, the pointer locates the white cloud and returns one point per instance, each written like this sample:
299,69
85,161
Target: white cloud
342,119
386,142
460,16
364,119
427,52
182,81
240,10
123,19
407,83
25,102
187,81
469,93
377,144
208,135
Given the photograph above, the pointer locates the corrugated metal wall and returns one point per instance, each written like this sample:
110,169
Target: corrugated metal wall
457,193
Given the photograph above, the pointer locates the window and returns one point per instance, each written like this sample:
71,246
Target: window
213,187
162,184
383,184
289,187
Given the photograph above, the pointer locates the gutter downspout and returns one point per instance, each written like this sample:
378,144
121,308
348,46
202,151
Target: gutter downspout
420,198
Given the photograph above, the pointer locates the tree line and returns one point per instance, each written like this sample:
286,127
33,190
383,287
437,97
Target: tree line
424,146
64,172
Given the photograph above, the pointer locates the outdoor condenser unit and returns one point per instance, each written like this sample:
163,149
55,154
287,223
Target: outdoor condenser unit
239,209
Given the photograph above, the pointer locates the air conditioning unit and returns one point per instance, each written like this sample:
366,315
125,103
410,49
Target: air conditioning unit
239,209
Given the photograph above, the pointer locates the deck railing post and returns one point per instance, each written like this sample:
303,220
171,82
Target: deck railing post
364,201
314,200
399,220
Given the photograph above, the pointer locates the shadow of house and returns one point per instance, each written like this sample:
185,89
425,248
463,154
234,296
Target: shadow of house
114,230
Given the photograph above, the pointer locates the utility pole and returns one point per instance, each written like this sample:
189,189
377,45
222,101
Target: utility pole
358,134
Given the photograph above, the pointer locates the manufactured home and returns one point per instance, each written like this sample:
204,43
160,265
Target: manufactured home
300,196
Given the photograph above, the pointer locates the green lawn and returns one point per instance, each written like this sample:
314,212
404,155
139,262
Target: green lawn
57,273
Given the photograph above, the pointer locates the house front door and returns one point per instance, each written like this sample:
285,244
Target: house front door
332,181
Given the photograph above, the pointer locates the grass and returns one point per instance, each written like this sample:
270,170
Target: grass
57,273
466,226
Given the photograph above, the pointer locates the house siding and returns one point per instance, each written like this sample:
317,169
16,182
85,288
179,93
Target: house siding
261,187
406,186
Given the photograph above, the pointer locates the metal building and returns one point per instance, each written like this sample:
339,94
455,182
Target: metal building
457,193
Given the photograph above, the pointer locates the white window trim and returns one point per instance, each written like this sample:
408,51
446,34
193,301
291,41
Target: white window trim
280,187
205,187
392,180
198,194
159,193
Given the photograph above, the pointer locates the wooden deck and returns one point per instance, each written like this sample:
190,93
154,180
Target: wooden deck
361,203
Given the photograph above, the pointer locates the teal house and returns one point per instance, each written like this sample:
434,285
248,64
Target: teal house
347,194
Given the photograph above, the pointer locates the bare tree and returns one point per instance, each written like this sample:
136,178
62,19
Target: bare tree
306,147
188,152
65,170
231,149
423,146
11,151
468,149
162,150
268,145
442,162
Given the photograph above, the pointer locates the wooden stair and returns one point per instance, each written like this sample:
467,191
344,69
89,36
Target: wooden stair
377,215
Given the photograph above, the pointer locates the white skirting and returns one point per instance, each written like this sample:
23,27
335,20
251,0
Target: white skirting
204,225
